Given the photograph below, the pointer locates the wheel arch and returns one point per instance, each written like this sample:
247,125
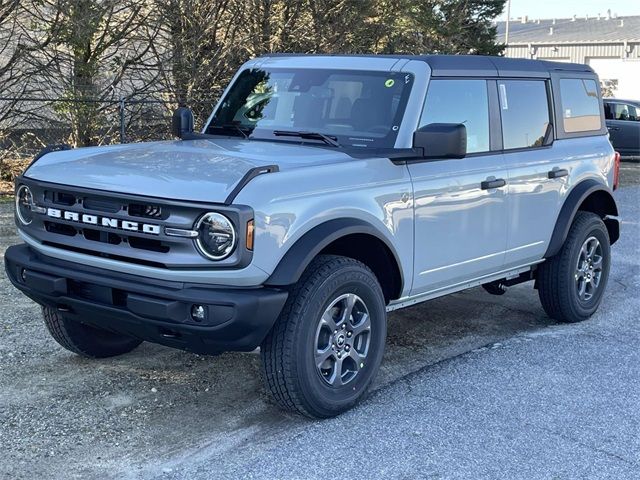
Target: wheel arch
591,196
349,237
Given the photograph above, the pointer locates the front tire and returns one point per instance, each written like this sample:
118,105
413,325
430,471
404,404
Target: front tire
85,340
571,283
327,344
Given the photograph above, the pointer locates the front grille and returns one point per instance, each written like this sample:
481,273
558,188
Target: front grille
127,228
102,236
98,236
60,198
60,229
148,244
100,205
111,256
145,211
69,231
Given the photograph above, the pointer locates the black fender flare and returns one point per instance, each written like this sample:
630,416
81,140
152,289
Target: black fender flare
570,207
308,246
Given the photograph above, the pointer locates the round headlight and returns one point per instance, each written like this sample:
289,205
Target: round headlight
24,205
216,236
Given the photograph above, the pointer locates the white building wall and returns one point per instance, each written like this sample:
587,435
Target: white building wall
611,61
625,71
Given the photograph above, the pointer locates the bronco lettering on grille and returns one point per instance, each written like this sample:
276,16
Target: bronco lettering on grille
103,221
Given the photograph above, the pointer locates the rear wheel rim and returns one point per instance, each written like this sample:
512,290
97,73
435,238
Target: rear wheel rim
342,340
588,273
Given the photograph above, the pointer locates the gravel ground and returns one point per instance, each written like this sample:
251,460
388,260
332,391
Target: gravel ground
472,385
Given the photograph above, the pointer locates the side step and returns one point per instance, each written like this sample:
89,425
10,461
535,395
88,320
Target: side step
499,287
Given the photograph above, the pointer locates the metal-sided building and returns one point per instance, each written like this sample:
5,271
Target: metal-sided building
609,44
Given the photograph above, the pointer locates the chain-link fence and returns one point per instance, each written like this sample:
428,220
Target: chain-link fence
29,124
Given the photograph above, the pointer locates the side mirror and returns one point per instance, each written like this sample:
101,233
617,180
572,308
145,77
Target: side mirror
182,122
441,140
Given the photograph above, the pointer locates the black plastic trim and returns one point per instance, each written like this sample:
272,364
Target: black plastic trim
495,117
569,209
185,257
490,184
298,257
561,172
149,309
250,175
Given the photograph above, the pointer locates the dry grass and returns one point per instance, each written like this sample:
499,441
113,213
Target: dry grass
10,168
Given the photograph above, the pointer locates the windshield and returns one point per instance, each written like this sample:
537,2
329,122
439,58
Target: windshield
356,108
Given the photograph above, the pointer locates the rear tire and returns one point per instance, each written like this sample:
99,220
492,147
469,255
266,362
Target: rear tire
571,283
85,340
327,344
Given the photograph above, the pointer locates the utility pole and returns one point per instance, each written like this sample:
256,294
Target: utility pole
506,30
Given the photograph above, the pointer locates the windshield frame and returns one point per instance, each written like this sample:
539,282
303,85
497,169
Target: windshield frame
358,141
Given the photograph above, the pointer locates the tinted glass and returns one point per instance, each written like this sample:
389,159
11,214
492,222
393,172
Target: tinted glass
524,110
358,108
580,105
460,101
624,112
608,112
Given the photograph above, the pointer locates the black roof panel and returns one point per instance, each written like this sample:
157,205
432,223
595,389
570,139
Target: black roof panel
475,65
459,65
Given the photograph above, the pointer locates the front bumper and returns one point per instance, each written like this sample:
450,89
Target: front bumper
153,310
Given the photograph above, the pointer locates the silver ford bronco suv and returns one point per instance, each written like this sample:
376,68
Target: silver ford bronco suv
324,192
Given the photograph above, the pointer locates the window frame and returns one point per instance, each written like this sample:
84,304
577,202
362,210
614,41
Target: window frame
493,147
556,76
382,73
607,104
552,84
550,112
621,102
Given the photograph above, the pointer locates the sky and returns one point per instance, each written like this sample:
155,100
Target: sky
567,8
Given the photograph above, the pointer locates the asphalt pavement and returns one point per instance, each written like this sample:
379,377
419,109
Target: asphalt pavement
472,386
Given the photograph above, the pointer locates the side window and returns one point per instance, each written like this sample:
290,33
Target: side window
524,108
608,111
460,101
622,111
580,105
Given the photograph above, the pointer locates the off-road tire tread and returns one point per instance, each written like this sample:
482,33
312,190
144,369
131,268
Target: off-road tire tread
552,287
278,368
57,327
57,330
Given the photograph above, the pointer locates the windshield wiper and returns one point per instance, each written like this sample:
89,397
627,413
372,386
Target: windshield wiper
235,126
307,136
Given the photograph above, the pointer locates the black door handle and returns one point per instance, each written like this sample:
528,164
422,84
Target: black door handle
497,183
557,173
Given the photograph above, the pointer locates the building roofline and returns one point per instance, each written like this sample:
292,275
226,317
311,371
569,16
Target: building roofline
573,42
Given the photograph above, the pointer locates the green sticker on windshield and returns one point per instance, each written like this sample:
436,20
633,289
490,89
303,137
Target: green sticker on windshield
389,83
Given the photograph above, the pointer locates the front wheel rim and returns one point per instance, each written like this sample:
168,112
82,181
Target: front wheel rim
588,273
342,340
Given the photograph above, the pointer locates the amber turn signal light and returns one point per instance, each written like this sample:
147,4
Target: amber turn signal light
250,229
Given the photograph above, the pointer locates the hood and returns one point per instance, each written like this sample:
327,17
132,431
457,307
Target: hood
203,170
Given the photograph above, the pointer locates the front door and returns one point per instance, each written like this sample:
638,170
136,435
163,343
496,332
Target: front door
459,204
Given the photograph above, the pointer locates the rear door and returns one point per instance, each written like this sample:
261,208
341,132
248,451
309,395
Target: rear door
531,158
623,123
460,224
544,160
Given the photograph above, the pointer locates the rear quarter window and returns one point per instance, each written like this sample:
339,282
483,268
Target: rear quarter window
580,105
